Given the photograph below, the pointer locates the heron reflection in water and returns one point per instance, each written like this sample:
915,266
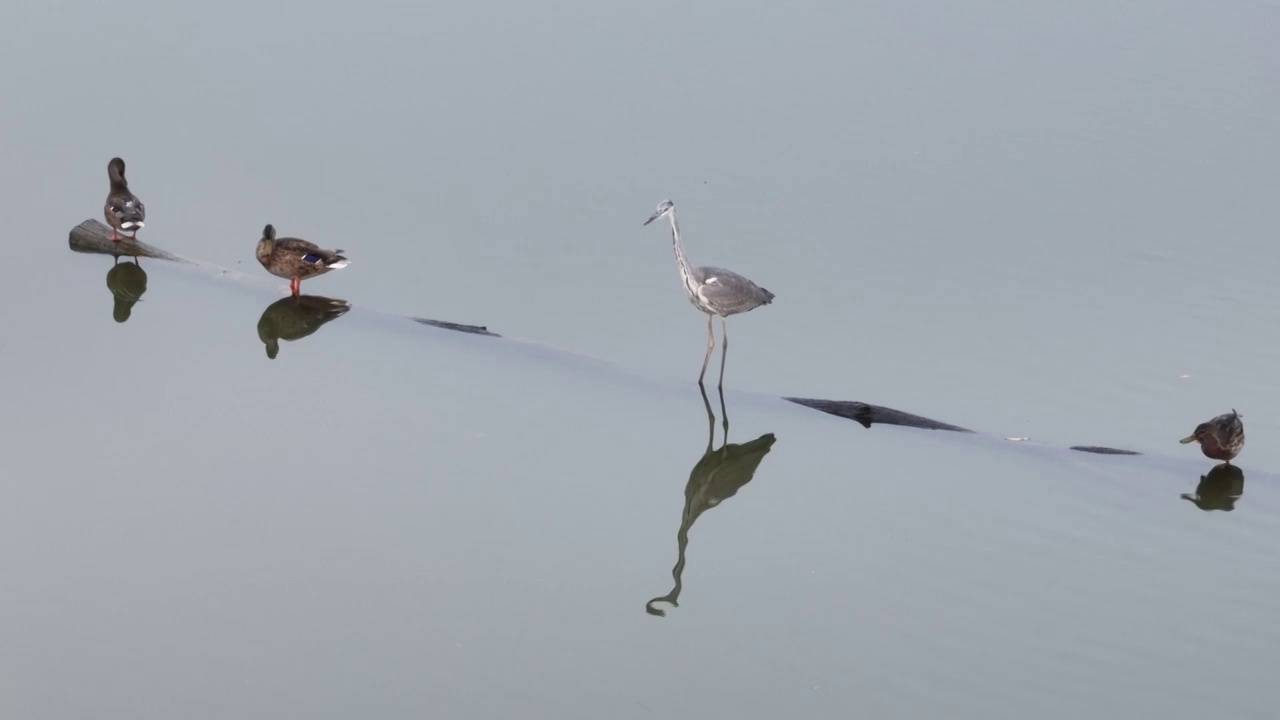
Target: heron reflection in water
127,282
717,476
1218,490
295,317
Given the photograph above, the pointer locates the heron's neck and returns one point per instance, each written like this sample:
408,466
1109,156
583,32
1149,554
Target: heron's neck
681,260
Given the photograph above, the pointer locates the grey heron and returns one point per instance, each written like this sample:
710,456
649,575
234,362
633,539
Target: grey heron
713,290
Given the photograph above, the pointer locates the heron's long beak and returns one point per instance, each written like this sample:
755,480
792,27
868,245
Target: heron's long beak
653,217
1187,439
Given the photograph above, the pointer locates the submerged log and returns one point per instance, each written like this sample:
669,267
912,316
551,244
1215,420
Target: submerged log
92,236
1098,449
868,415
445,325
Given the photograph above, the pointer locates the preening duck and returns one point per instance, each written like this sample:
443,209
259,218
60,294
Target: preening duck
1221,438
123,210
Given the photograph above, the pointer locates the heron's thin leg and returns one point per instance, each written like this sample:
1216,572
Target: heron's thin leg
724,347
711,343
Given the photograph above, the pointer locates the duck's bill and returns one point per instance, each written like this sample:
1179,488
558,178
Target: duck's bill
1187,439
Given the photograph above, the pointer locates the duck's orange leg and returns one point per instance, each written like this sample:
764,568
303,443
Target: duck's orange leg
295,286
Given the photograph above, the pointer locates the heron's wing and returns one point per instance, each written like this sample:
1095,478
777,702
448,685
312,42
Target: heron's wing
729,293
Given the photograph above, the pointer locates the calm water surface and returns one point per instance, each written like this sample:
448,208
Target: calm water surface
1046,222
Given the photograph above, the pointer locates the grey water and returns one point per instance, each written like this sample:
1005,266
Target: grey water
1051,223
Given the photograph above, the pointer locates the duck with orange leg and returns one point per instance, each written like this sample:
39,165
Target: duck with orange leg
1221,438
296,259
123,210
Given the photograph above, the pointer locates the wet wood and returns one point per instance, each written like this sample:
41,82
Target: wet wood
473,329
1098,449
92,236
868,415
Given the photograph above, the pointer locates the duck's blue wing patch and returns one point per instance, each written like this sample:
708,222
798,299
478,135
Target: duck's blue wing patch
311,258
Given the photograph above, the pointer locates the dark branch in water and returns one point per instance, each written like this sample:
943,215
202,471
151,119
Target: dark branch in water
868,415
473,329
1103,450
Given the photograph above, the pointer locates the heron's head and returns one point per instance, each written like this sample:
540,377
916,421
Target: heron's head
666,207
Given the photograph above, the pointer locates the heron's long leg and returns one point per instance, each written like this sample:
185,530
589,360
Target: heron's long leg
724,348
711,343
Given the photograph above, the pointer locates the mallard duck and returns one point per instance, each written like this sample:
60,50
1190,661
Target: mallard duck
1221,438
123,210
296,259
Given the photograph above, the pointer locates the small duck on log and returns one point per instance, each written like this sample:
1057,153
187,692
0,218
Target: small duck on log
123,210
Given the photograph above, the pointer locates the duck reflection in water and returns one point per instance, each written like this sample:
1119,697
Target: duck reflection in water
1218,490
127,282
295,317
717,476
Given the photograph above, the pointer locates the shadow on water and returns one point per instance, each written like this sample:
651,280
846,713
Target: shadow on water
717,476
293,318
127,282
1218,490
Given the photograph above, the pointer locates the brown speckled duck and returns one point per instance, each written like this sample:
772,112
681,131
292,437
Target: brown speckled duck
1221,438
123,210
296,259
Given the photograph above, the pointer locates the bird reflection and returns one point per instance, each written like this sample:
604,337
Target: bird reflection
1218,490
717,476
127,282
296,317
